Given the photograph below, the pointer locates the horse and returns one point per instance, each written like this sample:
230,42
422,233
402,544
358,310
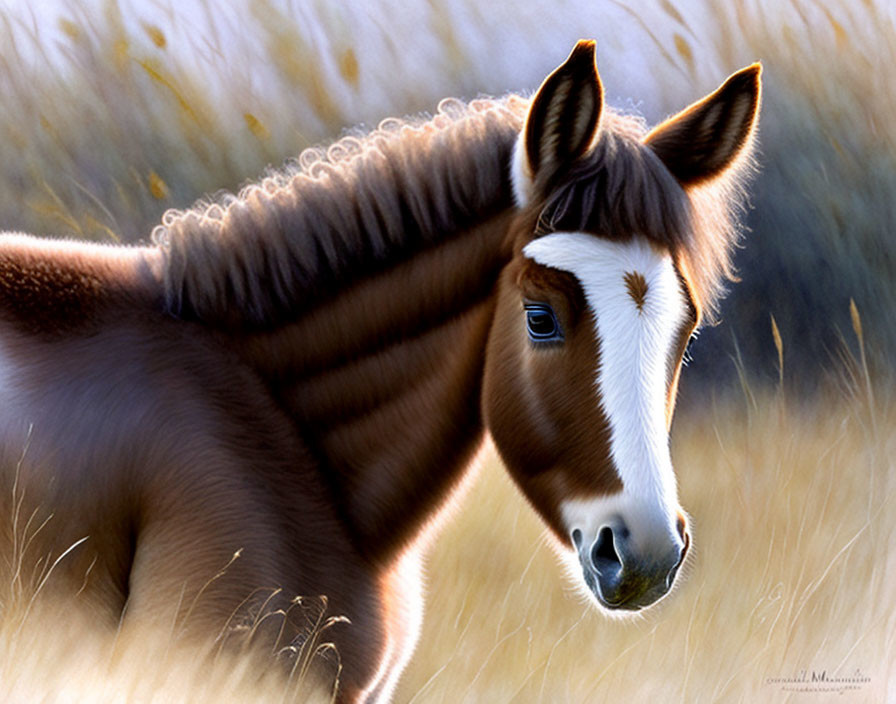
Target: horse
281,391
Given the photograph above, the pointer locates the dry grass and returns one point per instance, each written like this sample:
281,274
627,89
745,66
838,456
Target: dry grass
60,657
55,648
105,125
106,122
793,570
823,208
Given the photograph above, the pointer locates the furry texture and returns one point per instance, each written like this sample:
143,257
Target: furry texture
367,202
637,343
344,335
621,187
352,209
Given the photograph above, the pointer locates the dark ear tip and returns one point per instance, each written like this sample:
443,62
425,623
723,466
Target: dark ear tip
584,51
585,46
749,78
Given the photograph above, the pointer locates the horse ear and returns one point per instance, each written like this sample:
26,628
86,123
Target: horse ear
703,140
563,117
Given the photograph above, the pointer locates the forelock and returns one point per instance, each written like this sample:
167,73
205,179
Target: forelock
621,189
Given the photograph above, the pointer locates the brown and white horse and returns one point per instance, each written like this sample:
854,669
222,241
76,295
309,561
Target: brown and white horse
302,374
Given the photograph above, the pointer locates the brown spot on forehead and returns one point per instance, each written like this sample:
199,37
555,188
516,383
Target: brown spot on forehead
636,285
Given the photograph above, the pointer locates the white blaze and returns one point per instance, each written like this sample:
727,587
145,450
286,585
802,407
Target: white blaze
632,377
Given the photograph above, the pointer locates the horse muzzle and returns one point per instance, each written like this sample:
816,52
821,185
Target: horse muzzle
626,576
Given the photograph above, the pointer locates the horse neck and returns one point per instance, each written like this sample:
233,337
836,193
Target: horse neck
383,382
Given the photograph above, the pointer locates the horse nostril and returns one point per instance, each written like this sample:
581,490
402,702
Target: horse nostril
603,553
684,548
682,553
670,577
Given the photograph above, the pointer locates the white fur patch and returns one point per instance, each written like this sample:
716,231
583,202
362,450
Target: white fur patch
631,380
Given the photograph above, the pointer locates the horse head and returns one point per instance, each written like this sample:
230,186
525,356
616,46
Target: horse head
613,270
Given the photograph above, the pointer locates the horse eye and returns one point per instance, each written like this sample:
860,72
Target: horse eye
541,323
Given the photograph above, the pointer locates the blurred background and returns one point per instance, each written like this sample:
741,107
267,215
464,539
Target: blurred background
113,112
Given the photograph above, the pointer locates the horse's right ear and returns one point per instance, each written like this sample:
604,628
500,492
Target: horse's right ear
563,121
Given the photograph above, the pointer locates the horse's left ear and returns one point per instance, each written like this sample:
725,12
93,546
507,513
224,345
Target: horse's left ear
563,120
703,140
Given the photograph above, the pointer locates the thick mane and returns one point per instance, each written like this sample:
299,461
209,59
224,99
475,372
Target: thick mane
621,189
366,202
355,207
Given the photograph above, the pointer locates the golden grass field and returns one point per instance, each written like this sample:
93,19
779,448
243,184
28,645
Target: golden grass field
793,573
792,495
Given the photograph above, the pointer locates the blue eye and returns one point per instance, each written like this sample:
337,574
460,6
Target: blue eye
541,323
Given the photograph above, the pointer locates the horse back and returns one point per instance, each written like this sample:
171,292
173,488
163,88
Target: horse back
59,287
